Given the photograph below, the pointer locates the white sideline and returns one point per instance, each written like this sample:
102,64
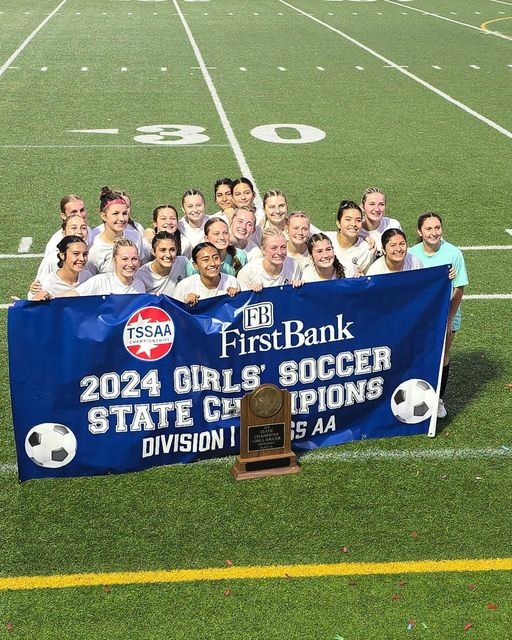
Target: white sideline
235,145
464,24
329,455
412,76
29,38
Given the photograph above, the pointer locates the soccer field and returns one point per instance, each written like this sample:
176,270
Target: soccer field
321,99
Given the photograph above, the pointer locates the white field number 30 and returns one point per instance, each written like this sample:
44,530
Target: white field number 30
184,134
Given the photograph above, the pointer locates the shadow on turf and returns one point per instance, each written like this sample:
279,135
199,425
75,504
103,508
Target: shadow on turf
469,372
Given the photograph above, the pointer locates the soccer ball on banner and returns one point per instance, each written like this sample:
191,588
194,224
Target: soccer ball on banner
413,401
50,445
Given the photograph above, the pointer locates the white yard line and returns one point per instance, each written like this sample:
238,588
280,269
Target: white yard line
29,38
148,145
463,24
235,145
366,455
497,247
502,2
489,296
400,69
21,255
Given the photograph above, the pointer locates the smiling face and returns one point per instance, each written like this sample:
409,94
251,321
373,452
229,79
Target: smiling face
126,263
115,217
218,234
350,223
276,209
75,257
243,224
166,220
193,208
374,207
298,229
322,254
395,250
76,226
243,195
207,263
223,197
273,249
431,233
165,254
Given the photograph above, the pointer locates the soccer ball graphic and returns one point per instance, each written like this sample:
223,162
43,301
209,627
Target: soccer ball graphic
413,401
50,445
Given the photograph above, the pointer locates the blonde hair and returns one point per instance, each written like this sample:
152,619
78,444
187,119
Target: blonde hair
122,242
269,234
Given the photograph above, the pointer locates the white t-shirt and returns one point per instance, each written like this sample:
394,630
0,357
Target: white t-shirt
52,283
379,266
194,284
105,283
310,274
254,274
194,235
157,284
357,258
376,234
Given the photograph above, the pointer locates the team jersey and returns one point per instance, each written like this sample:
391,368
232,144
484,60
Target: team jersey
195,235
376,234
100,254
52,283
358,258
194,284
134,233
446,254
310,274
157,284
379,266
105,283
254,274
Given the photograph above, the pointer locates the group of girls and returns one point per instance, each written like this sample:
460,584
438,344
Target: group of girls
241,247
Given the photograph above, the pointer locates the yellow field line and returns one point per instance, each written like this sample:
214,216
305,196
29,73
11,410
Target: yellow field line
254,573
484,24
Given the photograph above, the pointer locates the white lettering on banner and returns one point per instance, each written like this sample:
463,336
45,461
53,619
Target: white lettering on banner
336,396
344,364
292,336
140,417
184,442
200,378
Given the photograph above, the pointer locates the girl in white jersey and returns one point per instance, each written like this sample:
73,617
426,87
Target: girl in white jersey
167,269
324,264
209,281
354,253
298,232
165,218
72,261
275,268
192,224
223,192
373,203
396,257
134,230
70,205
114,214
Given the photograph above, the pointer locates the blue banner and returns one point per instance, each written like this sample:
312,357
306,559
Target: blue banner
111,384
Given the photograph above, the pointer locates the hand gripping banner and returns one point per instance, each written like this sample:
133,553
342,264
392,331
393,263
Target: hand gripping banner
112,384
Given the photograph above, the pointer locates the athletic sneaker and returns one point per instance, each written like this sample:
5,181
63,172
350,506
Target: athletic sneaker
441,409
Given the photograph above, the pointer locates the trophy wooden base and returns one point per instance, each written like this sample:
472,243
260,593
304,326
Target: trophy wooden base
261,467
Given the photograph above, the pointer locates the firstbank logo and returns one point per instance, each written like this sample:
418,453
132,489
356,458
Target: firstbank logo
257,316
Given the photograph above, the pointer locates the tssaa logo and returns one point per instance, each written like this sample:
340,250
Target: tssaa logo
149,334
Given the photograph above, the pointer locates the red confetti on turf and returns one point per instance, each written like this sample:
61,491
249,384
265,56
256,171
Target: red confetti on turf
472,587
402,583
395,597
344,549
228,592
414,534
106,588
468,626
9,626
492,606
229,563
